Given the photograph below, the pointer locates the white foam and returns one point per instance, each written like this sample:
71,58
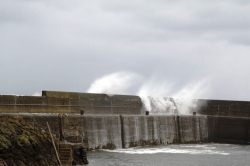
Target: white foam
184,98
115,83
37,94
181,101
190,150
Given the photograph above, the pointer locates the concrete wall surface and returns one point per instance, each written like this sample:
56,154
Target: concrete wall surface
69,102
100,103
193,129
113,131
91,103
124,131
229,130
101,131
223,108
34,104
148,130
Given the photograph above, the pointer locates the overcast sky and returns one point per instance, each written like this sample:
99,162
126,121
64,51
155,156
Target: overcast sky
160,47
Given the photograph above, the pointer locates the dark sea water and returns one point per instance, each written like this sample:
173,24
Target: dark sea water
174,155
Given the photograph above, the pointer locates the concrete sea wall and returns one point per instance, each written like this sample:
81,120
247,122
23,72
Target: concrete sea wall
71,102
223,108
91,103
100,131
148,130
99,103
234,130
35,104
159,129
192,129
124,131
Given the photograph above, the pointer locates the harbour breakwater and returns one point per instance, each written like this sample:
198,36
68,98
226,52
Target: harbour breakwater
71,102
119,121
91,103
124,131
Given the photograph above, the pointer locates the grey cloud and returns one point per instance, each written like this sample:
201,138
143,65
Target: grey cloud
195,18
66,45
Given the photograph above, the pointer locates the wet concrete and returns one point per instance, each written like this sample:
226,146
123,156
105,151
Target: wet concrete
124,131
149,130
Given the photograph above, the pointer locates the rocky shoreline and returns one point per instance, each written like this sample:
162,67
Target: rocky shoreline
24,145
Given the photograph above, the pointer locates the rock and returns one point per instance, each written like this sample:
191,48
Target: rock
20,163
3,163
24,145
10,162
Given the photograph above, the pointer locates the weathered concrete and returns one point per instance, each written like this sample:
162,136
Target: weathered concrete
72,102
148,130
69,102
124,131
229,130
192,129
101,131
156,129
34,104
100,103
223,108
134,130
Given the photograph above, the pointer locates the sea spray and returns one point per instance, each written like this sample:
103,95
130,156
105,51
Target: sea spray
155,88
37,94
183,101
115,83
159,105
152,92
186,98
